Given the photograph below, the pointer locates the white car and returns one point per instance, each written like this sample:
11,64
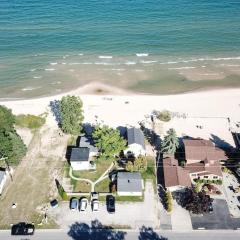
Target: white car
95,205
83,204
94,201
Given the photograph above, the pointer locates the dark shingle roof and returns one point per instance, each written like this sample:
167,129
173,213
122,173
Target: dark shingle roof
85,142
79,154
135,135
129,182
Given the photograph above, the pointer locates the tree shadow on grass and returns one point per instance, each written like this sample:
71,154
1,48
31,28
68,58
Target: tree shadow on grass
147,233
95,231
55,108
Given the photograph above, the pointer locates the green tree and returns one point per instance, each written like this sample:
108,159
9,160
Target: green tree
170,142
129,166
109,141
71,114
7,119
11,144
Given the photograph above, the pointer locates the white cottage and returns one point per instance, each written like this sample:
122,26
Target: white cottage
136,144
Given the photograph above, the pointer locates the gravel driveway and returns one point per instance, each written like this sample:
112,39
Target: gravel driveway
129,214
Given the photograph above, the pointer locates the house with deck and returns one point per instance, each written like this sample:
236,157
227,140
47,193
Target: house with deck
203,161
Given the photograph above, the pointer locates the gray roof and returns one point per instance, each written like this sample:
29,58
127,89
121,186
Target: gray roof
2,174
129,182
135,135
79,154
85,142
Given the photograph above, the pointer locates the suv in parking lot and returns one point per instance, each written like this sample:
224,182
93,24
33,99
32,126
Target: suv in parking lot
83,204
22,228
74,204
110,203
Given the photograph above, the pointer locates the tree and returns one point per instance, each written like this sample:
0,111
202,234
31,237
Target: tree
197,202
169,201
108,140
129,166
7,119
71,114
11,144
170,142
139,164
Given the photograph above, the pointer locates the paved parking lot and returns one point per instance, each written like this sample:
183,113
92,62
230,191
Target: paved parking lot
219,219
131,214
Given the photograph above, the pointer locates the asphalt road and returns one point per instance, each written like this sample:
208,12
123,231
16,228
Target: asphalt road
129,235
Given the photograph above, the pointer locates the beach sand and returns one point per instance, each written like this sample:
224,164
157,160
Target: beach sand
210,109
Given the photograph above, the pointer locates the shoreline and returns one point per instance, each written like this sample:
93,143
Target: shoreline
102,89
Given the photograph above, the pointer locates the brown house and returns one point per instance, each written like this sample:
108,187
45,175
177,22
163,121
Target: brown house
203,159
202,162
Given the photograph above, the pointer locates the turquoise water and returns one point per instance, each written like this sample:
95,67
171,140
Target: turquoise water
48,46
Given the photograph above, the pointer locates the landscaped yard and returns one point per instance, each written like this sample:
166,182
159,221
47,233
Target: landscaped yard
103,186
93,175
80,186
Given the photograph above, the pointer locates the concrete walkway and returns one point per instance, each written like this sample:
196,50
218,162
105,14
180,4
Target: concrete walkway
101,178
180,217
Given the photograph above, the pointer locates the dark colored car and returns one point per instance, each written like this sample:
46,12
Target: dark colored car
23,229
210,207
111,203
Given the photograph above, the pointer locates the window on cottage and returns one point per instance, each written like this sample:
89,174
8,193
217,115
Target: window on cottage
205,176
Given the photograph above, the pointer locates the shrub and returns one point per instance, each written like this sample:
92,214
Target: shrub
169,201
29,121
164,116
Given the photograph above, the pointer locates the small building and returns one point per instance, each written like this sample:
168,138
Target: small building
136,143
129,184
176,178
79,158
3,179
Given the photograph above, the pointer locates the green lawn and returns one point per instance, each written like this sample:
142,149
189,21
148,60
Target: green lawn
103,186
129,199
101,167
80,186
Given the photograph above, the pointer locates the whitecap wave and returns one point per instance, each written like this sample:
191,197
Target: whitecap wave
53,63
142,54
181,68
130,63
153,61
32,70
50,69
54,83
118,69
107,57
30,88
37,77
74,63
103,63
80,54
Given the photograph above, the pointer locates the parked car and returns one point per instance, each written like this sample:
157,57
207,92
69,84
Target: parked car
210,207
22,228
94,201
110,203
54,203
83,204
74,204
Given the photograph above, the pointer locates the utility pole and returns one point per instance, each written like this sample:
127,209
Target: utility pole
6,162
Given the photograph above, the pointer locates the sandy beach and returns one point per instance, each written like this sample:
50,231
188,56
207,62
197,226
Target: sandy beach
211,109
